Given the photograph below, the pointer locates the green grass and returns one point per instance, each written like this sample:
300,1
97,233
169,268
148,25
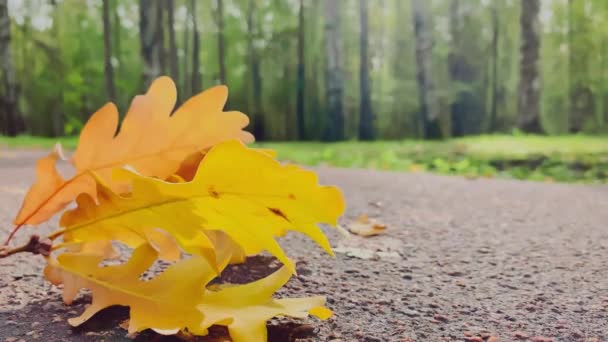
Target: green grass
27,141
563,159
560,158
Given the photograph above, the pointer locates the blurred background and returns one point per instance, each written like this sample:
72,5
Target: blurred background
322,70
315,69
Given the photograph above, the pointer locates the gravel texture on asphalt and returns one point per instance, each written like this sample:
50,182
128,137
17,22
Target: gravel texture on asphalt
461,260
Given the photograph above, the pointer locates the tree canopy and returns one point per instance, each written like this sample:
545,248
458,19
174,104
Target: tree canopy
315,69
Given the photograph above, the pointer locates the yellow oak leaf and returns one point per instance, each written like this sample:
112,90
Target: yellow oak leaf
226,249
244,309
189,166
166,303
150,140
242,192
176,299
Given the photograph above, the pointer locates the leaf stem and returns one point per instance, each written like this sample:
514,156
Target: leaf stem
56,234
10,237
34,246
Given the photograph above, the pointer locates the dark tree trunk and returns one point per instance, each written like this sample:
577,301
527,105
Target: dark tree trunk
107,52
574,119
529,83
467,107
116,46
185,74
399,126
580,93
172,43
301,82
255,80
57,118
366,117
196,72
334,83
150,43
116,30
12,121
160,22
494,95
220,41
429,108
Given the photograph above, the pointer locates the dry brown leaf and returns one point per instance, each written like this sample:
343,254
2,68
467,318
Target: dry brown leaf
365,226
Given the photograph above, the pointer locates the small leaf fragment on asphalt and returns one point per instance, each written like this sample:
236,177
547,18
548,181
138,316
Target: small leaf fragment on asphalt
365,226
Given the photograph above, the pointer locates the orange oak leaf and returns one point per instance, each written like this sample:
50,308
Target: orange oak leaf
150,140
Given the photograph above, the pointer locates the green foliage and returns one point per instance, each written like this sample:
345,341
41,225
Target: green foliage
560,159
58,56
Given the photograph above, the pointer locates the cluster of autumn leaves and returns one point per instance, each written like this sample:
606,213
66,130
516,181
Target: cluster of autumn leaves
179,186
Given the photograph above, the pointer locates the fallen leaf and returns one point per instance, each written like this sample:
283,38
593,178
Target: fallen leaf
150,140
244,309
164,303
364,226
176,299
252,201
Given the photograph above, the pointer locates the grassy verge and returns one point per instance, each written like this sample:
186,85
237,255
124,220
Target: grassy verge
27,141
562,159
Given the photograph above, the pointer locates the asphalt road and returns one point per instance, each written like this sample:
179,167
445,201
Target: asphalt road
461,260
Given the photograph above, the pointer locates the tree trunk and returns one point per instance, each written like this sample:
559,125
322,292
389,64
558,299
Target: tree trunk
220,41
366,117
57,114
574,121
107,52
185,73
148,35
172,44
529,83
255,79
399,122
429,108
301,82
196,72
160,22
334,82
467,106
116,47
11,113
494,94
580,55
116,30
